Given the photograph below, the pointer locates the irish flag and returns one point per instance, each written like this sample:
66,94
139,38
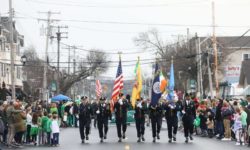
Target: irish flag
163,82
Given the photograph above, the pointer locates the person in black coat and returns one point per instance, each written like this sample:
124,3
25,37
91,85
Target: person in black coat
85,113
219,120
75,114
155,115
103,114
171,108
121,109
140,111
189,114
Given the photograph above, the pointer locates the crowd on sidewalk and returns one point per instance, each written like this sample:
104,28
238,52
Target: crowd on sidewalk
39,124
228,120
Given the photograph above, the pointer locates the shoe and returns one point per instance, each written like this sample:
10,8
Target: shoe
191,138
174,137
142,138
120,140
87,138
101,140
237,143
225,139
139,140
105,136
170,141
186,141
154,140
83,141
158,136
123,136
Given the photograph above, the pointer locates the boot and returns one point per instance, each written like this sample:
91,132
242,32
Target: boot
120,140
101,140
170,141
154,140
158,136
123,135
186,141
191,137
83,141
142,138
105,136
174,137
139,140
87,137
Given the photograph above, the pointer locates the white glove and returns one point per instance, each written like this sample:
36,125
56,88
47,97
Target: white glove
139,105
183,111
98,111
120,101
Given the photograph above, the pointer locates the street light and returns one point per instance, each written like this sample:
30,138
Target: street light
23,59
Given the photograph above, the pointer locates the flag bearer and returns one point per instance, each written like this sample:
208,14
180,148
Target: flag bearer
103,113
155,114
189,114
121,109
140,110
171,108
84,118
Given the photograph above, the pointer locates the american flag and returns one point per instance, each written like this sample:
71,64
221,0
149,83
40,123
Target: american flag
118,86
98,89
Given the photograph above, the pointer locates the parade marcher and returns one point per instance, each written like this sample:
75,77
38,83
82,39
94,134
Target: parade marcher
103,113
140,110
189,114
171,108
94,108
155,115
75,114
84,118
121,109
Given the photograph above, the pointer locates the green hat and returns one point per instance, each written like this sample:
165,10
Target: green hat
243,103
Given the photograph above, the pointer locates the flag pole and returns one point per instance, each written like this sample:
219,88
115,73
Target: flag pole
172,59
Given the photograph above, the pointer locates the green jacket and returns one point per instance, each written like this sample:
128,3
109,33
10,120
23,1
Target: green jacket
244,118
52,110
48,124
44,122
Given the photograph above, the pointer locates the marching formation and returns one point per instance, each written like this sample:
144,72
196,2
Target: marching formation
164,109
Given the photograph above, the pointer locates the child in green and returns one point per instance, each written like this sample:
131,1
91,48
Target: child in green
48,129
34,128
43,126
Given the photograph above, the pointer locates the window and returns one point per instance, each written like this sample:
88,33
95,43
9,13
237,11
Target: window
246,57
18,73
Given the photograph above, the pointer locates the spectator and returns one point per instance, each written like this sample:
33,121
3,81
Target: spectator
48,129
34,128
44,121
55,130
219,120
210,125
227,114
237,127
28,124
19,123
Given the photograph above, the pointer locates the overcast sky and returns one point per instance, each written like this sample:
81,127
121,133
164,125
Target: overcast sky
82,16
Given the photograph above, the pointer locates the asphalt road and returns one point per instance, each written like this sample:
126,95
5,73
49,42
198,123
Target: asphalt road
70,140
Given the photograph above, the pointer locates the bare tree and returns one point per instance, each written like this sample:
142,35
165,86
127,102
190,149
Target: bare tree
184,56
95,60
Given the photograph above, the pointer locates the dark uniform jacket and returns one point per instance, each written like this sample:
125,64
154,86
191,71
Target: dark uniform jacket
121,110
105,112
140,112
190,111
85,111
156,111
172,112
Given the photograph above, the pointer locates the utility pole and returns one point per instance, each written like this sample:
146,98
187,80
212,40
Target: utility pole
197,62
74,70
59,37
49,21
200,68
210,76
12,55
215,53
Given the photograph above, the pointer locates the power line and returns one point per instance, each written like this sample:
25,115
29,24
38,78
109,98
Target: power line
140,23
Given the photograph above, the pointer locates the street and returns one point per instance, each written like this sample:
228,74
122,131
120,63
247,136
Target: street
70,140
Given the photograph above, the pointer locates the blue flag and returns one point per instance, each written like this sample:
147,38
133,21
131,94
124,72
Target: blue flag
156,91
171,83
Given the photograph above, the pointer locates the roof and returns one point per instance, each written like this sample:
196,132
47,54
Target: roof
245,72
232,41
